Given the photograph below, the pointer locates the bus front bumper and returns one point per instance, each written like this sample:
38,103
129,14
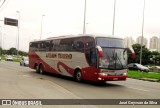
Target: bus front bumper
105,77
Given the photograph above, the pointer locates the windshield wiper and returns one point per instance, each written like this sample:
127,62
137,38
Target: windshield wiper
120,61
115,57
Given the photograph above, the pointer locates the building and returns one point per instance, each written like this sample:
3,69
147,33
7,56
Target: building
159,44
154,43
145,41
128,41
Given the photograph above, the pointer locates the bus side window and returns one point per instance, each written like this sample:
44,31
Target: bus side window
38,47
32,46
53,45
66,44
47,46
50,45
42,47
78,44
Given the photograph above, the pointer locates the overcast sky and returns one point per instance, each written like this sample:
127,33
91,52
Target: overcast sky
63,17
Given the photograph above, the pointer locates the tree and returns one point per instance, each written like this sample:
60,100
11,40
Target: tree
4,51
0,51
146,55
22,53
156,57
12,51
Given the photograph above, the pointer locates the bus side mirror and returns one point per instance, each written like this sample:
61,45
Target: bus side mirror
132,51
100,51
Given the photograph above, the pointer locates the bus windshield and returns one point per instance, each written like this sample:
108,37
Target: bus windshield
114,53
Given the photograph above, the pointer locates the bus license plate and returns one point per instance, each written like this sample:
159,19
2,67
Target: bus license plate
115,78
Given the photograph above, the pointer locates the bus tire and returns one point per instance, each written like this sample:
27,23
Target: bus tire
37,68
78,76
41,70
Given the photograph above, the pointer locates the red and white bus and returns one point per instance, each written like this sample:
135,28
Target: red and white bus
84,57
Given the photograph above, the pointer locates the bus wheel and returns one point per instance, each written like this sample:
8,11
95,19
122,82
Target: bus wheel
78,76
41,70
37,68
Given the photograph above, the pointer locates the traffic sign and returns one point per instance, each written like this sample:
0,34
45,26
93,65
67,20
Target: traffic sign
9,21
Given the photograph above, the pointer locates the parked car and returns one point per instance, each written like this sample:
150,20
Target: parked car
136,66
24,61
149,67
9,58
155,68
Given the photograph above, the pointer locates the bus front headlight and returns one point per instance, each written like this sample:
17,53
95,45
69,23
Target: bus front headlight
125,74
103,74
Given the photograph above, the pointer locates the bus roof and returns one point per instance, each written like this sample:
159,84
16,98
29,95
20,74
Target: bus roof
79,35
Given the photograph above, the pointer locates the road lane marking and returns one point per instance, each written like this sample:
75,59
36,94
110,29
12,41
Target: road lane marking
139,89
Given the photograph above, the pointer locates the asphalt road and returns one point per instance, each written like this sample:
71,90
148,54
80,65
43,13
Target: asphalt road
18,82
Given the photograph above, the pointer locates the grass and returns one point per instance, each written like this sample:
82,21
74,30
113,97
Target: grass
141,75
3,58
15,59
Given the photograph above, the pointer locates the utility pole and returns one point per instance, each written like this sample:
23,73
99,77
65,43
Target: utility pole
114,17
18,32
142,33
41,26
1,37
84,23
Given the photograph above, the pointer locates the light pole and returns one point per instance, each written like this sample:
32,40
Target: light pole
84,23
86,27
1,34
18,32
114,16
41,26
50,34
142,33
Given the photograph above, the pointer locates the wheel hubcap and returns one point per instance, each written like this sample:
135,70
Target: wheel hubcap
78,76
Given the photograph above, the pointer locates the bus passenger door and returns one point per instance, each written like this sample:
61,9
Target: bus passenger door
92,61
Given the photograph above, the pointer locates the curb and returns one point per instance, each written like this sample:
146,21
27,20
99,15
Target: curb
149,79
